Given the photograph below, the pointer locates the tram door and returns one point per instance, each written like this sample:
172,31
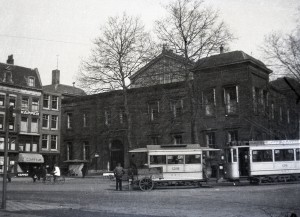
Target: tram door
243,161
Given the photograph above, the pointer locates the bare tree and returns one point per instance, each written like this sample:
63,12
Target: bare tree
192,31
121,49
282,53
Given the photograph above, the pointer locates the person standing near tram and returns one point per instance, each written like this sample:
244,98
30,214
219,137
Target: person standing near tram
119,172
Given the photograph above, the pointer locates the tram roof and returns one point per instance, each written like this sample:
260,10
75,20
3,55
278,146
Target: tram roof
172,147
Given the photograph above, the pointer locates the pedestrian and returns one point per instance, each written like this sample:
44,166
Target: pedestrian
119,172
9,171
56,172
84,170
43,173
33,174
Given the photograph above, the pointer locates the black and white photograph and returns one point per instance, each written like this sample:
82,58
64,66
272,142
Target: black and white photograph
150,108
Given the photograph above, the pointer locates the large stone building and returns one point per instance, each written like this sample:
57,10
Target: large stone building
234,102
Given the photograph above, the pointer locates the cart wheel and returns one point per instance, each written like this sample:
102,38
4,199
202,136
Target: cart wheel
146,184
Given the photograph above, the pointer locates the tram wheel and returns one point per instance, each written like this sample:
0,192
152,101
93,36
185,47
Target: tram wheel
146,184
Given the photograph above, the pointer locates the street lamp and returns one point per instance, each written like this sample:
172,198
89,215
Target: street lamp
96,157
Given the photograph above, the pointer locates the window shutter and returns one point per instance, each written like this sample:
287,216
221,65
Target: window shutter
214,92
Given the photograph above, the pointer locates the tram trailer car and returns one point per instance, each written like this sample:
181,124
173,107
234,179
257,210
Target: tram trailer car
180,164
264,161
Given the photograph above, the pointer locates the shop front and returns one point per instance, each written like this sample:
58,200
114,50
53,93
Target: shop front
27,162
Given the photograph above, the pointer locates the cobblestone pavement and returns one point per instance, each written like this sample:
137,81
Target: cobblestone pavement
97,197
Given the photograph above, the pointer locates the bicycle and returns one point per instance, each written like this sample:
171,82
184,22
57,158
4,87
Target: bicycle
50,179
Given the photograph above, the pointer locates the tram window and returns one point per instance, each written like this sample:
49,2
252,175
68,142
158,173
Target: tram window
234,155
228,155
262,156
157,159
175,159
284,154
297,153
193,159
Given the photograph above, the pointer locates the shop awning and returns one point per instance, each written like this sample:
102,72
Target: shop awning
30,158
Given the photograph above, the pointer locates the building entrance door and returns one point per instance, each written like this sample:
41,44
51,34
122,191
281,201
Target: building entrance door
116,153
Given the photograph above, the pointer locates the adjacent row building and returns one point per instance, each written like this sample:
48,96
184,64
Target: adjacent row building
34,132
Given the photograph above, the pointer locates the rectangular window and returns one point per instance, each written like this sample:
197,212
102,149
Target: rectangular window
34,147
107,116
1,143
177,139
122,116
12,144
34,125
69,120
193,159
2,100
232,135
272,111
210,139
231,99
35,104
153,110
24,124
54,102
86,151
27,146
1,122
12,101
288,116
54,119
209,101
157,159
53,142
45,121
176,108
284,154
69,151
11,125
297,153
45,141
265,100
262,156
46,101
25,103
31,82
175,159
154,140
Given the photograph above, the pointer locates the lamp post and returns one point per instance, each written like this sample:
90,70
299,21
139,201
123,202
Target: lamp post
96,157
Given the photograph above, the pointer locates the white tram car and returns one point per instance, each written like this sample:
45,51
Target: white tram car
264,161
178,164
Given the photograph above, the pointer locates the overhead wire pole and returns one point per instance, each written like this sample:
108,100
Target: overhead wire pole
5,152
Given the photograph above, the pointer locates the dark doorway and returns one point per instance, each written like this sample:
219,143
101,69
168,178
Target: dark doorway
116,153
244,161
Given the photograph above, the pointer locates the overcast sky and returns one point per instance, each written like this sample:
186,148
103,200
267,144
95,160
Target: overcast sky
36,31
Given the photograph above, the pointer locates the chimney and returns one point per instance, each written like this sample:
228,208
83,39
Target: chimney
55,76
10,59
221,49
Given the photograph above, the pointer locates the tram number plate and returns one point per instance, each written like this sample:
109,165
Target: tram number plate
284,165
175,168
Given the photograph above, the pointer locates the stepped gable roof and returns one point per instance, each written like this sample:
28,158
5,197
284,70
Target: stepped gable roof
19,76
64,89
228,58
166,53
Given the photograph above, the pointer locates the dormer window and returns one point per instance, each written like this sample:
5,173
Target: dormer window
31,82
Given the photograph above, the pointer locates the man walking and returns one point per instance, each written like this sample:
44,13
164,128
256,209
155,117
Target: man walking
119,172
